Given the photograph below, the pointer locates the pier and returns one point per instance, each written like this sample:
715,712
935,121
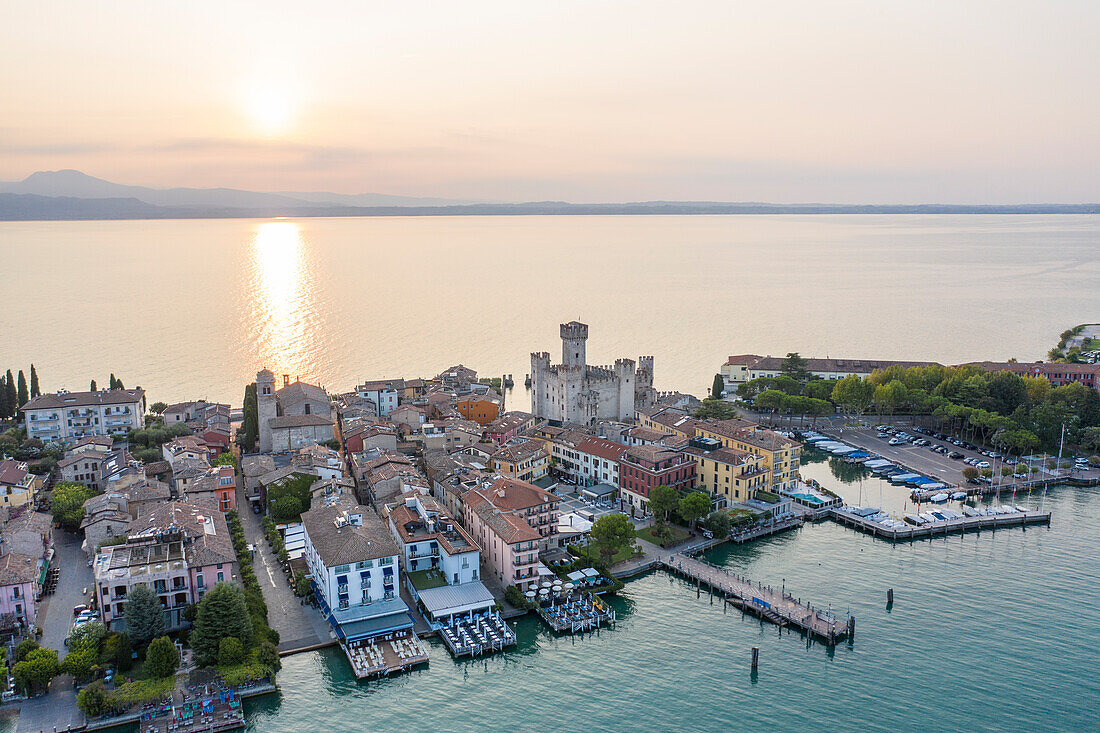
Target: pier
939,529
384,655
576,613
781,609
780,525
475,635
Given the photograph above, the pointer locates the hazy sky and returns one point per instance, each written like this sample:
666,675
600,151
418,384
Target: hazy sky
877,101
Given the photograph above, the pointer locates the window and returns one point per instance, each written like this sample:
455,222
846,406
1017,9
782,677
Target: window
343,568
221,577
200,582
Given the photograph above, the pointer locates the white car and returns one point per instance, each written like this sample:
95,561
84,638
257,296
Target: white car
982,464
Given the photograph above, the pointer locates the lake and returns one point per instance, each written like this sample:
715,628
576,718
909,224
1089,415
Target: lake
193,308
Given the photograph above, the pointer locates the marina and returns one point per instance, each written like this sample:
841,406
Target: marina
929,524
780,608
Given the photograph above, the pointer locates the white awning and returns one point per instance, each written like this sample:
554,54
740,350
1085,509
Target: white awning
447,600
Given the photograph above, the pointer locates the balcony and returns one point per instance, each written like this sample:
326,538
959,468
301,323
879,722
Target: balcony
423,554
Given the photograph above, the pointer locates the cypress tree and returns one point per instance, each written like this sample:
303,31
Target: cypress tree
113,382
91,387
23,396
5,408
12,397
718,386
35,391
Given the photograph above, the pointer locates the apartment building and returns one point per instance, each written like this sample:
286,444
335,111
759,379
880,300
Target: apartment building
732,474
17,484
70,416
644,467
781,456
510,546
521,458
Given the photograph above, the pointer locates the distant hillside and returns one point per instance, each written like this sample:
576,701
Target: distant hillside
75,184
70,194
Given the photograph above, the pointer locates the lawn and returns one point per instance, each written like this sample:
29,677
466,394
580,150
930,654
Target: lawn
624,554
425,579
670,536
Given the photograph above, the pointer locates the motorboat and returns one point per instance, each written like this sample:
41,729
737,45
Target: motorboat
940,497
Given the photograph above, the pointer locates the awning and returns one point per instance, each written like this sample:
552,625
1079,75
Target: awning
368,627
447,600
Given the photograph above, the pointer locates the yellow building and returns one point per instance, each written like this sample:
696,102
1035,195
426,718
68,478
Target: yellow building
780,455
525,460
734,474
17,485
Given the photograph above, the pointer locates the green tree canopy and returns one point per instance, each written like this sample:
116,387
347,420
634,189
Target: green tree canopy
286,509
853,394
158,407
35,389
717,387
23,394
222,612
663,500
162,659
611,534
230,652
694,505
34,673
718,522
144,615
794,366
226,458
67,503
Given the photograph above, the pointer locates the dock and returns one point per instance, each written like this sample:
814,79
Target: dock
781,609
939,529
748,535
473,636
575,613
385,655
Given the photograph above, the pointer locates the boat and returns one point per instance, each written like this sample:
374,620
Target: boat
939,498
970,511
1022,508
959,496
914,520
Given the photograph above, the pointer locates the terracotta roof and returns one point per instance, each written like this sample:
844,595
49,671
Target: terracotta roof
743,359
301,392
85,399
602,448
731,456
519,452
200,519
347,543
16,568
13,473
650,453
510,529
510,495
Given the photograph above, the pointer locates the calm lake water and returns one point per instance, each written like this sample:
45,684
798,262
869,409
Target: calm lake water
989,632
194,308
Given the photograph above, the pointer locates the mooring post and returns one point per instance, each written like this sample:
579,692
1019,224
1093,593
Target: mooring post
851,627
755,656
890,596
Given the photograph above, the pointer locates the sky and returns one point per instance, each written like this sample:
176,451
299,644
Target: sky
839,101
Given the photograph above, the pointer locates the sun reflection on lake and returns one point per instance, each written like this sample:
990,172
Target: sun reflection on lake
282,309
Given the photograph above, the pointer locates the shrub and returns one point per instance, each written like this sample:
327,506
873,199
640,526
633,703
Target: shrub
138,692
242,673
92,700
268,655
515,596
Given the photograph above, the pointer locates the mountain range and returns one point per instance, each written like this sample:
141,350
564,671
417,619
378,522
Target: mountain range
71,194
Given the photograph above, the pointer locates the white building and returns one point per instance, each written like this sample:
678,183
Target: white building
746,367
72,415
382,392
574,392
353,563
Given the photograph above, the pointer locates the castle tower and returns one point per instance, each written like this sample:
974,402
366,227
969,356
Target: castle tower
574,335
624,373
540,371
266,406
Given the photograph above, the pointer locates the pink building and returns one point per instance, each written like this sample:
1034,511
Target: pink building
22,567
509,545
180,549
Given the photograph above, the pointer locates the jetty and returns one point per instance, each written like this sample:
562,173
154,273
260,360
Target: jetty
384,655
778,607
764,530
575,613
477,634
901,532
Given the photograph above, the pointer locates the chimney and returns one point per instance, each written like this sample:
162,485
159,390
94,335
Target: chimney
286,379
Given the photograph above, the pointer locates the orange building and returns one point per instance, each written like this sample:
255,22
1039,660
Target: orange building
481,408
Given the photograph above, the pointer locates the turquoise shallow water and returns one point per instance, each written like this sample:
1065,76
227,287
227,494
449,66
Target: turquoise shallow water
990,631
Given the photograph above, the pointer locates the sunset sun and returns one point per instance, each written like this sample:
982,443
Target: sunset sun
270,109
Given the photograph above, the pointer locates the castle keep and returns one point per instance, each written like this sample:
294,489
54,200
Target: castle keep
574,392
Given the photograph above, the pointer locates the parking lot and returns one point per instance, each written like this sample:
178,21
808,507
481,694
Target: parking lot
921,459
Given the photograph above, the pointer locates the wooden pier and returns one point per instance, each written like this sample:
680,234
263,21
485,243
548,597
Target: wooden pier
748,535
384,655
939,529
780,608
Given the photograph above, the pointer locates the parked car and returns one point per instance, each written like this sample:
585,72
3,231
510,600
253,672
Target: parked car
955,455
884,435
982,464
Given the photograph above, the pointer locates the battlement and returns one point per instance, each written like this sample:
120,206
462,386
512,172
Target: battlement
574,330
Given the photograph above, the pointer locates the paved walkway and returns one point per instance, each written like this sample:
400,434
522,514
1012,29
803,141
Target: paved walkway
300,626
54,711
55,615
651,554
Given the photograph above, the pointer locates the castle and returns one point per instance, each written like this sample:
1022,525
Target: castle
573,392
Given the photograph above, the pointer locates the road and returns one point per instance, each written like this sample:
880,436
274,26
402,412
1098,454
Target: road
55,615
299,626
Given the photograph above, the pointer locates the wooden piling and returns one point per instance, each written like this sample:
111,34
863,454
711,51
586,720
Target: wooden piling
755,656
890,596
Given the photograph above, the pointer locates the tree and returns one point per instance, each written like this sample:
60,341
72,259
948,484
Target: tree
87,636
144,615
716,409
853,394
222,612
117,652
35,671
302,587
79,662
162,659
11,395
987,472
158,407
35,390
718,387
794,366
969,473
694,505
250,427
24,648
5,405
1007,470
612,533
718,522
286,509
268,656
230,652
67,504
663,500
226,458
91,387
92,700
23,396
